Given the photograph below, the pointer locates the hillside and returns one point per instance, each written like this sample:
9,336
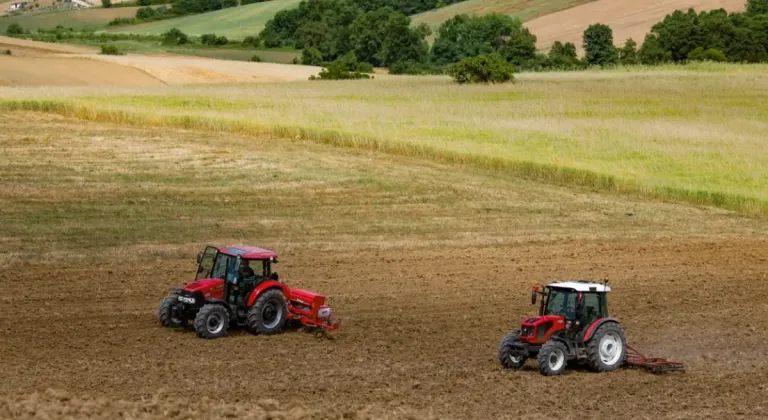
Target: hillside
234,22
525,9
627,18
96,18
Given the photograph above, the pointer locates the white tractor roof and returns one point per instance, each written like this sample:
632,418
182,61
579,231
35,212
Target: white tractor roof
581,286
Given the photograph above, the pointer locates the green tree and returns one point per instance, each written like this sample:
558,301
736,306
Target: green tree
14,29
561,56
628,53
106,3
598,45
651,52
174,37
757,7
485,68
145,13
311,57
463,36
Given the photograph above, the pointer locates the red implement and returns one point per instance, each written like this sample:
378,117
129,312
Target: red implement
654,364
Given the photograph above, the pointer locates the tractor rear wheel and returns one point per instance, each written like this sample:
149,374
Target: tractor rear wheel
552,358
166,313
268,314
607,348
507,358
211,321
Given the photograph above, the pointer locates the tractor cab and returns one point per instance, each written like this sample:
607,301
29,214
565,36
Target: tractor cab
579,303
241,268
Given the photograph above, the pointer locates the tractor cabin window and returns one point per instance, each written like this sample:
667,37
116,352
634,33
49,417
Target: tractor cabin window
561,302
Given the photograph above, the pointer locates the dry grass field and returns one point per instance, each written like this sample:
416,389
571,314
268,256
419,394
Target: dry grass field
90,18
628,19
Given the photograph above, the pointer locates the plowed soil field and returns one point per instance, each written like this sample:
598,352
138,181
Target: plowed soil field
423,309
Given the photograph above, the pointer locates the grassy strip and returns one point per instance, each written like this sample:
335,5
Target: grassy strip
549,173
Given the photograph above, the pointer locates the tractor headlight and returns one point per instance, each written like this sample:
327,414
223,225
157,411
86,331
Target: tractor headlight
187,300
324,313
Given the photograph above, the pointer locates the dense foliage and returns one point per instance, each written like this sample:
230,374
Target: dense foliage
598,45
485,68
741,37
463,36
328,29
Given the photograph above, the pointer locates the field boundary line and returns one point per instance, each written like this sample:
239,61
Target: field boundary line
535,171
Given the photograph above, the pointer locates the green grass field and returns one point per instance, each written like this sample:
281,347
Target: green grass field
234,22
524,9
95,19
694,134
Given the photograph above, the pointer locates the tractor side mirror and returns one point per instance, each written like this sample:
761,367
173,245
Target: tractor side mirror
199,257
533,298
199,268
274,276
579,304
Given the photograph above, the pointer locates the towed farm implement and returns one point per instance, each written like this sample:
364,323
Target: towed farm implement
573,325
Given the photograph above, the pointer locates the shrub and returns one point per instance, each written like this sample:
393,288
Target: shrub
253,41
256,58
14,29
174,37
6,52
145,13
109,49
336,71
712,54
122,21
106,3
365,67
486,68
311,57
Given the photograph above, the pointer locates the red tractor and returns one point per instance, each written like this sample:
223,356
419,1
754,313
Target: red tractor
236,284
573,324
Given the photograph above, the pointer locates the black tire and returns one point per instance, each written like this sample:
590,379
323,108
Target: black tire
506,359
552,358
165,313
211,321
608,337
268,314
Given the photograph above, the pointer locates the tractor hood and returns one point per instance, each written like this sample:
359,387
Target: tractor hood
203,285
537,320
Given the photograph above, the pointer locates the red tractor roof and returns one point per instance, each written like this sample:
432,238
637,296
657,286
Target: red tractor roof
248,252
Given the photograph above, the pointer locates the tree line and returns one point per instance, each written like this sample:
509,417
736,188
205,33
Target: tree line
380,33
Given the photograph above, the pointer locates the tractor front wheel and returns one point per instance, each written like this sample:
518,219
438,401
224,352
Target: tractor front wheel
552,358
268,314
211,321
507,355
607,348
167,314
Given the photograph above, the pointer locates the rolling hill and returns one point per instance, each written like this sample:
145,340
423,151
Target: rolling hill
96,18
628,18
525,9
234,22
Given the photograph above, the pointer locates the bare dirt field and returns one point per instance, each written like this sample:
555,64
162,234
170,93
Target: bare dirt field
427,265
628,18
67,65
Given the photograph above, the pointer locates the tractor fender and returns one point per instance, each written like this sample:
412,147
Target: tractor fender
569,346
264,286
232,311
595,324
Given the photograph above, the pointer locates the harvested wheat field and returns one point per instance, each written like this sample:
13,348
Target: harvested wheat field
428,265
184,70
628,18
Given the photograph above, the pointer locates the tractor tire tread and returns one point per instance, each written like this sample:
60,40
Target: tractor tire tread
201,320
593,348
543,358
254,320
504,348
164,313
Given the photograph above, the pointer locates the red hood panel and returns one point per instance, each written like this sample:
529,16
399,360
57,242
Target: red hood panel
203,284
542,319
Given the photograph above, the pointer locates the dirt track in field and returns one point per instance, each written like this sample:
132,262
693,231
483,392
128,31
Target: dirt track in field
420,331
